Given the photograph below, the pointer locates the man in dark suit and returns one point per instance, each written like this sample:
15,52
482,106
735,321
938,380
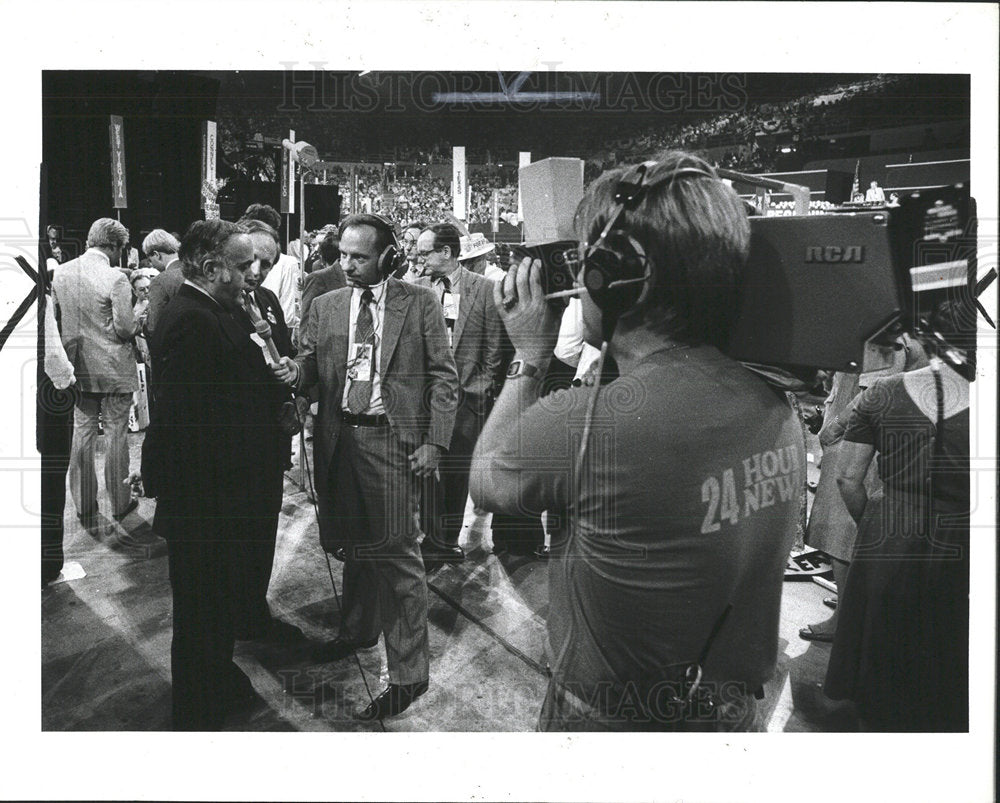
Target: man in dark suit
161,249
378,352
323,279
475,333
253,617
212,458
265,253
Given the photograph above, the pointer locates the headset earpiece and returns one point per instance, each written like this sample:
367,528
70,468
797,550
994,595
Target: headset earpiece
616,270
392,256
389,259
616,273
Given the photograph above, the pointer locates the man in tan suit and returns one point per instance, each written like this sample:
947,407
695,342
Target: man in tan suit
378,353
94,301
475,333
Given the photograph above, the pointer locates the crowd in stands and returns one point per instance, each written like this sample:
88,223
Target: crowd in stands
408,189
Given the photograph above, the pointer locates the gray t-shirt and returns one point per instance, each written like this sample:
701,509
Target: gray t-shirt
689,502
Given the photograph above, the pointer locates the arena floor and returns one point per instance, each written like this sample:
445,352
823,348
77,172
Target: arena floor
106,639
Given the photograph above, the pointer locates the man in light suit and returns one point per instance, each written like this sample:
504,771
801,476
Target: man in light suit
98,327
378,352
875,194
475,333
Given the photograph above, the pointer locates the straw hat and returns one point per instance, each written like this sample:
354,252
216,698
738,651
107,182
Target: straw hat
475,245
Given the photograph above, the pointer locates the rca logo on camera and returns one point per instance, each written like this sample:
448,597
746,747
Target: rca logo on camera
835,253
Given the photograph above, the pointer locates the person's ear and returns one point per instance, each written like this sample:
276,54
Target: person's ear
210,268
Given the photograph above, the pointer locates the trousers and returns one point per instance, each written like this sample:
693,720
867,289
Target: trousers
385,585
112,408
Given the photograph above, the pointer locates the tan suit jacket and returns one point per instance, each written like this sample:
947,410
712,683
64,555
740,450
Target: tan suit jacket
417,371
98,324
476,341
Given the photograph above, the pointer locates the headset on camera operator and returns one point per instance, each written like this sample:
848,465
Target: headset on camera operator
679,479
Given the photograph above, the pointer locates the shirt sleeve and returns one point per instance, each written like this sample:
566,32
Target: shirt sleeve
864,413
538,456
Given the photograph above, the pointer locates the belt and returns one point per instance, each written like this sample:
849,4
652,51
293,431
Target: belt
364,420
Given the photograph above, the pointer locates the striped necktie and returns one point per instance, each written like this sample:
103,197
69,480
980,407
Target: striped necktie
360,393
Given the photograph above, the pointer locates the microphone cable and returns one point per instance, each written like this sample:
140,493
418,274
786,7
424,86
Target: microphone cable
326,556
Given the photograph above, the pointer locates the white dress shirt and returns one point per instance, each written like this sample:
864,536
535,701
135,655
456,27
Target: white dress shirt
875,194
571,348
283,281
375,406
455,278
455,282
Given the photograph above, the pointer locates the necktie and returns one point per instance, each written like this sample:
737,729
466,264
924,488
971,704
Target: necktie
360,393
445,286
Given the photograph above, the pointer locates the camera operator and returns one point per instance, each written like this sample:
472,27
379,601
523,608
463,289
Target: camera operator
682,506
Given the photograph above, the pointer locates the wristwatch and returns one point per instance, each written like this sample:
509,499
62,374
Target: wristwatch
521,368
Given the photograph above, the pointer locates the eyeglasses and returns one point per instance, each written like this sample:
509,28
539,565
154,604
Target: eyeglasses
425,254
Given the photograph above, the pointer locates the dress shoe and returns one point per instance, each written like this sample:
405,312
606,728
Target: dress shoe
516,548
808,634
284,633
89,518
394,700
274,630
128,509
239,693
340,648
436,554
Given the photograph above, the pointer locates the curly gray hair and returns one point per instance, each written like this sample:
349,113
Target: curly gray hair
205,240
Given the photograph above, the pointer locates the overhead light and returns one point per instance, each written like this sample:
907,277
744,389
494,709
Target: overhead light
302,152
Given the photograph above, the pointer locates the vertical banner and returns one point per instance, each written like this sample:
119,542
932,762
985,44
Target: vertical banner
209,191
523,158
458,181
117,136
287,180
496,211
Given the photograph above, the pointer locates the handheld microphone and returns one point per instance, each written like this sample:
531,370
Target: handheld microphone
263,329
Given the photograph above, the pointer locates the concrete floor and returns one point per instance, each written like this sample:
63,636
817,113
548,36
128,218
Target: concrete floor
106,639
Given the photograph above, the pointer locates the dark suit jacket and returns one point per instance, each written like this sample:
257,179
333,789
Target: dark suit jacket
417,372
214,441
270,309
476,341
163,288
318,283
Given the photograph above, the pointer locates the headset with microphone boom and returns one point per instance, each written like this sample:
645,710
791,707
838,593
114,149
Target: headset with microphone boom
613,267
392,255
616,270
